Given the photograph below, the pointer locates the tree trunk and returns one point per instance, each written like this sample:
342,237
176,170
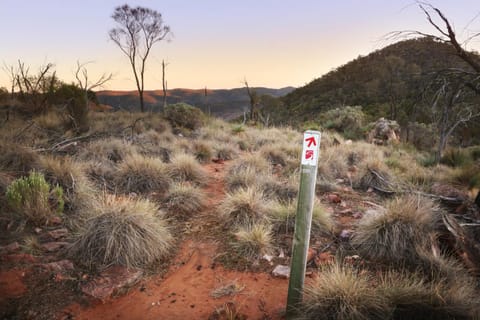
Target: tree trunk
142,107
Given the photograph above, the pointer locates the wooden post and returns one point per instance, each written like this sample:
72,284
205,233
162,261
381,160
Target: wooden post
303,219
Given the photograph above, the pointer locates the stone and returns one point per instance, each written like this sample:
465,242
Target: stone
58,266
54,246
58,233
281,271
10,248
110,282
334,198
346,234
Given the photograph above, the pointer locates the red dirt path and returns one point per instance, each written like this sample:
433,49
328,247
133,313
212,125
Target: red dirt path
185,291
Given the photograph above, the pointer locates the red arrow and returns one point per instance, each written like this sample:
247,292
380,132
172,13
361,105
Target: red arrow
310,141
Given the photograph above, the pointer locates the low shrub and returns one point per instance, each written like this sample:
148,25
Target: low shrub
347,120
125,232
184,116
33,198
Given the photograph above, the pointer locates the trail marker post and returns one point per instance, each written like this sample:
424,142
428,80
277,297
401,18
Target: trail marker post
303,219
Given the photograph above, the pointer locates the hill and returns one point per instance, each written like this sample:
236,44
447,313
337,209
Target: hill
389,82
225,103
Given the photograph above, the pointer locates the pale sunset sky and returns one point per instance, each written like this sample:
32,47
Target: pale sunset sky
215,43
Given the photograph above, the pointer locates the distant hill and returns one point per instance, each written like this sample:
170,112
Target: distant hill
387,82
225,103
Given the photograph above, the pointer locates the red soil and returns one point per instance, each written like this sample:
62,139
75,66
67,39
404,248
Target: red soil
185,291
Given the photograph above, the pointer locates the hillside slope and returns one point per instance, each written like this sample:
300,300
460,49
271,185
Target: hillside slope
225,103
387,82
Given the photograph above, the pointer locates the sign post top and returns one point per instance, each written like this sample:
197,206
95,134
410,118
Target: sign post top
311,148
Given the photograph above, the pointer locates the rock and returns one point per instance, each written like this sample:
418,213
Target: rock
324,258
334,198
10,248
56,220
267,257
281,254
346,234
357,215
58,233
58,266
20,258
311,254
384,131
281,271
54,246
38,230
110,282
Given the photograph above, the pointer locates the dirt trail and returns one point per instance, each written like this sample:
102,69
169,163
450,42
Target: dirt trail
185,291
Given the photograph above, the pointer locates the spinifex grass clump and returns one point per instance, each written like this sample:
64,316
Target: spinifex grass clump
33,198
184,200
185,168
16,159
395,235
244,207
141,174
126,232
345,294
282,216
253,241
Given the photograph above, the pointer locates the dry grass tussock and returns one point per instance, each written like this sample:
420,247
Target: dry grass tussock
184,200
342,293
253,241
143,175
64,171
253,161
185,168
126,232
244,207
412,297
203,151
395,235
16,159
225,151
111,149
283,214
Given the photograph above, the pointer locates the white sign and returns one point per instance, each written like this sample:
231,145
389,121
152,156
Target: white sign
311,148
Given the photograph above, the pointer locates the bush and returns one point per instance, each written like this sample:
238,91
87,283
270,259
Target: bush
395,236
126,232
184,116
141,174
347,120
455,157
33,198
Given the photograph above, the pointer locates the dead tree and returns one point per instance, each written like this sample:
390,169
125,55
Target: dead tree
164,84
254,102
81,74
139,29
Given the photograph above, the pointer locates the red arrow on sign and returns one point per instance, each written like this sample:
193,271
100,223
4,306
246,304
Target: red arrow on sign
311,141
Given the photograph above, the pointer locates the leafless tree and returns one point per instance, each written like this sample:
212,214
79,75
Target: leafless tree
34,89
449,107
81,74
139,29
254,102
164,84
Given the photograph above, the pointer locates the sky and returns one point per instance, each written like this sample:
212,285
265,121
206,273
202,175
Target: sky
216,44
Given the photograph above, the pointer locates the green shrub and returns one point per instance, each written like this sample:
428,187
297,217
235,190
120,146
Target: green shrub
33,198
456,157
346,120
184,116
